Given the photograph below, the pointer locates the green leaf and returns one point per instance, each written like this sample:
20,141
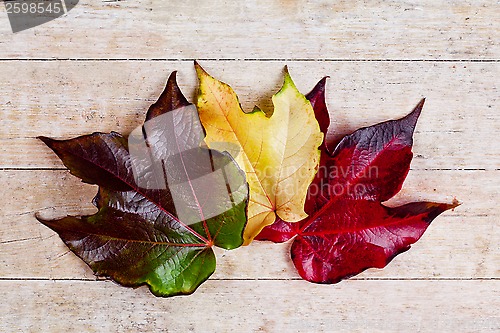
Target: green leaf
164,200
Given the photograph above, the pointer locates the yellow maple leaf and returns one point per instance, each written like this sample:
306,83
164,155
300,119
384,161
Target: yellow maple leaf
278,152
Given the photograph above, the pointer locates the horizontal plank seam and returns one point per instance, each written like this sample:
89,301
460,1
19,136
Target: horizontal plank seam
412,169
33,169
266,279
251,59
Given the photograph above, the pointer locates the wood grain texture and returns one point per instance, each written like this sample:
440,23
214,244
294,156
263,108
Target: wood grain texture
99,67
271,306
460,114
446,251
264,29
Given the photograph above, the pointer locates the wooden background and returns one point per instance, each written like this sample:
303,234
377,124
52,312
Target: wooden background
99,68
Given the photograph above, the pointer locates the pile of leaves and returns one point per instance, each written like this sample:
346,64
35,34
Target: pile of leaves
209,174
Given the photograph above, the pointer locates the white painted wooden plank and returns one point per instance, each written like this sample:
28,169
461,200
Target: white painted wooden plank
448,250
54,192
457,130
431,29
253,306
462,243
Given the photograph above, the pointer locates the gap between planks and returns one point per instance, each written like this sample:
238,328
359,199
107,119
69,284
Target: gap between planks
100,279
252,59
411,169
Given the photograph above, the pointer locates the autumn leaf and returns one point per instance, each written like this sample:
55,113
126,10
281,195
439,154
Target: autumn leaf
349,229
164,200
278,152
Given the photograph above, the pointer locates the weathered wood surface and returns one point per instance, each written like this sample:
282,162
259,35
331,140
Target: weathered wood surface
98,69
457,130
262,306
460,244
264,29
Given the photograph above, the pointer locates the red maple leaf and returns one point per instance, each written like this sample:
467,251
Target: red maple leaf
349,229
